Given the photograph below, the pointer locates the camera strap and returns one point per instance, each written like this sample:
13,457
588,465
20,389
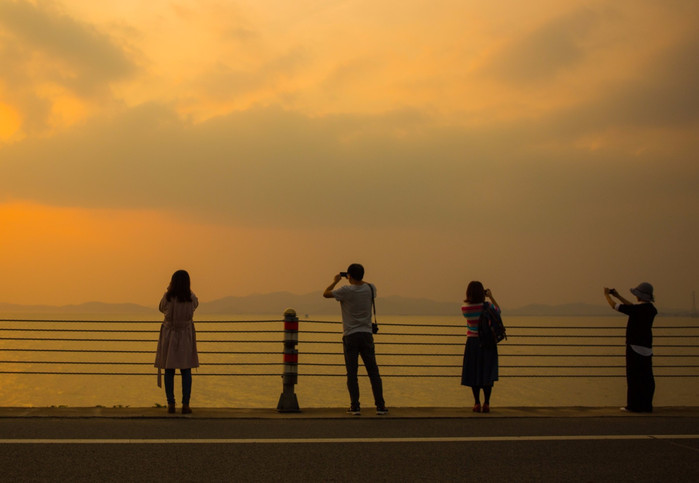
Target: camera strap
373,304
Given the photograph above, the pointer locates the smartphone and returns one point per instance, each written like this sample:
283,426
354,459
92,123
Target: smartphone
343,274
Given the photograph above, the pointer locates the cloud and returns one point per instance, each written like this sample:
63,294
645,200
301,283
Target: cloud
46,55
661,98
223,82
572,152
264,166
401,168
541,54
91,56
269,167
666,93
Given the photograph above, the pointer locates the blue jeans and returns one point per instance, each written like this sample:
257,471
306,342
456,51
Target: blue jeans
170,385
362,343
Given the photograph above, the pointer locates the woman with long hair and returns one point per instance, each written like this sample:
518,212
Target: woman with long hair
480,366
177,346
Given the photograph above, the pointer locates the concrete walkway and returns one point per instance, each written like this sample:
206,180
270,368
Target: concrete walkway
339,413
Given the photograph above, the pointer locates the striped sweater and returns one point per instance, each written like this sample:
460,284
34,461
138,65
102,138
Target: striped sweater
472,312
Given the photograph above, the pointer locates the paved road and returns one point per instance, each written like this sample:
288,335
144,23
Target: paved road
571,448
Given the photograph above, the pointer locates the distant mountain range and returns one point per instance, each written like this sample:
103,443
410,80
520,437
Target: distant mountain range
86,308
312,304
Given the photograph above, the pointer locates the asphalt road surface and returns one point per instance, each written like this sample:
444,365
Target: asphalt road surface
350,449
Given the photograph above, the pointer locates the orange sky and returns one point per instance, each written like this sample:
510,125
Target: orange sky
547,148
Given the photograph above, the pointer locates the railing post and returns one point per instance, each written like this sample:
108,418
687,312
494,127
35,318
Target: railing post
287,401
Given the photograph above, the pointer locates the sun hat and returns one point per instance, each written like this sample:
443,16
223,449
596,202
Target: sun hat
644,291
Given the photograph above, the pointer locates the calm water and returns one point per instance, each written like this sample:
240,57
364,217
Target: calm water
422,348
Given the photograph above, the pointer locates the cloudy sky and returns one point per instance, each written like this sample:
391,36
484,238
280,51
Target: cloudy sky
548,148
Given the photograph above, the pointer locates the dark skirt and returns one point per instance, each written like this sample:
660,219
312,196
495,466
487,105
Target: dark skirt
480,365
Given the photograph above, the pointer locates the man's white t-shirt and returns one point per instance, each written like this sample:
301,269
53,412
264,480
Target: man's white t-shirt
355,302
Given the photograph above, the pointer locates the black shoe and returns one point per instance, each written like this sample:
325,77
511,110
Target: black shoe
354,411
381,410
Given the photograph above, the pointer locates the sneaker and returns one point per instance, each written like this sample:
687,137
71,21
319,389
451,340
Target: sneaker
381,410
354,411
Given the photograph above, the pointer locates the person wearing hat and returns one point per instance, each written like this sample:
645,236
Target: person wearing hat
639,346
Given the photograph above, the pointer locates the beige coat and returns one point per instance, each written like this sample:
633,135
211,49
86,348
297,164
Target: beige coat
177,346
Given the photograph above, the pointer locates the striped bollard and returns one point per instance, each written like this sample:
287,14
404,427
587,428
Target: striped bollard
287,401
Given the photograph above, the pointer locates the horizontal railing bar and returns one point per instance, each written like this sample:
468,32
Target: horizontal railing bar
511,336
148,331
330,375
504,344
311,364
140,340
584,327
152,374
326,342
655,356
155,333
593,327
72,321
56,339
393,354
107,351
570,336
531,366
382,324
97,363
339,354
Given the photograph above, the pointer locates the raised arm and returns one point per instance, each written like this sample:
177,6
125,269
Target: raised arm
608,296
328,293
489,294
609,292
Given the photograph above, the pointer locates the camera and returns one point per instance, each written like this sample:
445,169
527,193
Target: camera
343,274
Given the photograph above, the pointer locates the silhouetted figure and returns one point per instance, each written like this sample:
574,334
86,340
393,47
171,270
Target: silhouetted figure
357,339
480,366
177,346
640,383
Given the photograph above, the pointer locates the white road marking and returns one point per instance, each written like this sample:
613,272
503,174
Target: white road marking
454,439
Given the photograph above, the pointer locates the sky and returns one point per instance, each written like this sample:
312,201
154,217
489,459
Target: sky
546,148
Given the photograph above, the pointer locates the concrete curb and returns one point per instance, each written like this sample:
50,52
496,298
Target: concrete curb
339,413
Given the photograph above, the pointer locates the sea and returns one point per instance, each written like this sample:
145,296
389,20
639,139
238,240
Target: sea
90,360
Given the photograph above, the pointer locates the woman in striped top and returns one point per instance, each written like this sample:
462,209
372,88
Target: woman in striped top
480,367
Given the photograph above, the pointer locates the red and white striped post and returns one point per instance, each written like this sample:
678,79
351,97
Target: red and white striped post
287,401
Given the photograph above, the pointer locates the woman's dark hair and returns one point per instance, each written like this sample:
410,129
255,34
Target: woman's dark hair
475,293
179,287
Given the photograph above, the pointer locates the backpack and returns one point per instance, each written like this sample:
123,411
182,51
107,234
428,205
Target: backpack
491,330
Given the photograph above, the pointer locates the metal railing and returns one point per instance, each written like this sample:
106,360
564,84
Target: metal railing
227,348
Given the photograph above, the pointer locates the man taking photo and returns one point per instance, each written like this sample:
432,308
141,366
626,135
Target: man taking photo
356,301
